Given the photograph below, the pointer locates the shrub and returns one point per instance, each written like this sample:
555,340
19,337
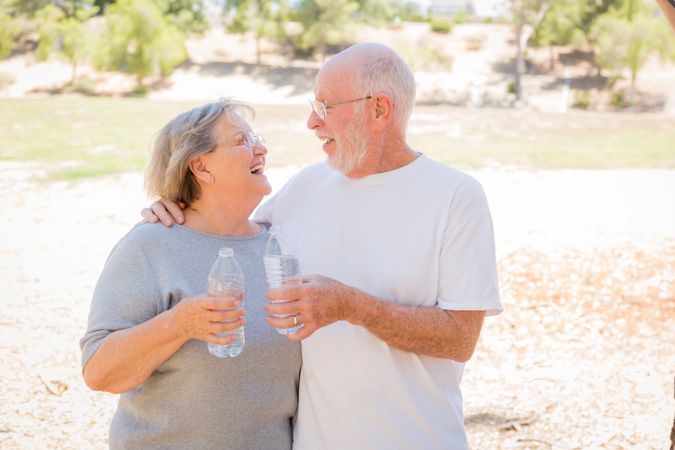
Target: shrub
461,17
618,99
475,43
582,100
441,25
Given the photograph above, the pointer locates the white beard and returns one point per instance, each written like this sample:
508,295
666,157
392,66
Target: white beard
353,148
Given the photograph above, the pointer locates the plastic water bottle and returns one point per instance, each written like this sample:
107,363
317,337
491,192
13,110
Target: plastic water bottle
281,268
226,278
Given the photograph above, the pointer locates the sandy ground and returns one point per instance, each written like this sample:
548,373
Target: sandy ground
571,363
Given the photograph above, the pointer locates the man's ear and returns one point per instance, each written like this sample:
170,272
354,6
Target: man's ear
198,168
384,108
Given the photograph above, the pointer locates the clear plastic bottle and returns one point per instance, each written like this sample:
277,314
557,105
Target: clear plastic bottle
281,267
226,278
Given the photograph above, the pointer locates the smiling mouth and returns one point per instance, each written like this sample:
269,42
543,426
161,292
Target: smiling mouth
258,170
326,140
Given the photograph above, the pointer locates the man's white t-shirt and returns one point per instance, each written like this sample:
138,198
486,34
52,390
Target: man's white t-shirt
420,235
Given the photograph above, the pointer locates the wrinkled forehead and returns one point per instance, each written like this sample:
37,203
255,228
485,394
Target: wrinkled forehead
333,81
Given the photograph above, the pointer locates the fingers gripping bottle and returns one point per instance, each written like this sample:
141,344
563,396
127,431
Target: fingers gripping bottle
226,278
281,268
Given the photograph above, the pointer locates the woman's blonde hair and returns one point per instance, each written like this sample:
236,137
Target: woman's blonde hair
188,135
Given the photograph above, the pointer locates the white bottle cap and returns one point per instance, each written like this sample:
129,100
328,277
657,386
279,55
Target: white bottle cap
225,252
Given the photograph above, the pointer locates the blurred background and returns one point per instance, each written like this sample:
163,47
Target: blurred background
563,109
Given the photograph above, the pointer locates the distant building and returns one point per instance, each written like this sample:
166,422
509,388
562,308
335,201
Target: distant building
476,8
450,7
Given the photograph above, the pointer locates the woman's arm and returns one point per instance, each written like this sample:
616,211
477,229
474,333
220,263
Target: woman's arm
126,358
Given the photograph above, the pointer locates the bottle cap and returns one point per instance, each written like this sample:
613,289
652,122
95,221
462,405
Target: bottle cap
225,252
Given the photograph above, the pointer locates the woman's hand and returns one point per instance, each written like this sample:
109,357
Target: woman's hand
165,211
204,317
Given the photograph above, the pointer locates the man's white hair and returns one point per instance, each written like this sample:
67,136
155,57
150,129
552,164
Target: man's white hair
386,72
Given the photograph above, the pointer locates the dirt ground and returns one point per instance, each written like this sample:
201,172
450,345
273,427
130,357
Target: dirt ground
582,356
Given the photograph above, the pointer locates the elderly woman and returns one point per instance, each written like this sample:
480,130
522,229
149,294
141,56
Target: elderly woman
149,317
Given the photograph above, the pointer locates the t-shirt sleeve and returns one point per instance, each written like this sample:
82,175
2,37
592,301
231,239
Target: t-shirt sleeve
468,267
265,212
125,295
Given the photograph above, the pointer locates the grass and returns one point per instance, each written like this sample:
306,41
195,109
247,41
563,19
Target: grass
87,137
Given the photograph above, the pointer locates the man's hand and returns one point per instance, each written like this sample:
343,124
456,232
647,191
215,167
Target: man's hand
204,317
165,211
425,330
317,302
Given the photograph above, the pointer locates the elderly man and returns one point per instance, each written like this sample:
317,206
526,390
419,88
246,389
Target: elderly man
405,251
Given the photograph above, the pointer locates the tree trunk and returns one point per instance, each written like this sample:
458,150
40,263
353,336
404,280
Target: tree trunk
524,31
257,50
520,64
322,48
551,57
632,93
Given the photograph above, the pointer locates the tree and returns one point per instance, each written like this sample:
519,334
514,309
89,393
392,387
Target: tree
62,30
8,31
527,15
185,15
627,35
19,7
326,22
561,25
263,18
375,12
139,40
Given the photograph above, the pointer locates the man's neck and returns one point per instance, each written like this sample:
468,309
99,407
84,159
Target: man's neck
384,160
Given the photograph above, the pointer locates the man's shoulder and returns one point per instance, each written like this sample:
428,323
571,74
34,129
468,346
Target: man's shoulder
450,177
307,178
319,169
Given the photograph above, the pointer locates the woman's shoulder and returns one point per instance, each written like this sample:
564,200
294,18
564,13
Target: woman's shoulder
145,234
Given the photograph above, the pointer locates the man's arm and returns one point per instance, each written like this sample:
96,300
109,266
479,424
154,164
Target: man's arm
668,8
430,331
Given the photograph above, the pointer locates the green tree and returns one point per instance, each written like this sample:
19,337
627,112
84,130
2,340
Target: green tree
139,40
628,35
62,30
326,22
9,28
561,25
22,7
185,15
375,12
527,15
263,18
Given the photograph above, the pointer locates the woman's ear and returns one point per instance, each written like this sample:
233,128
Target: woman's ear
198,168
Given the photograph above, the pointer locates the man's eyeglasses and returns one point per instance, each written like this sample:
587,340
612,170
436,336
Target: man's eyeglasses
250,139
321,109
